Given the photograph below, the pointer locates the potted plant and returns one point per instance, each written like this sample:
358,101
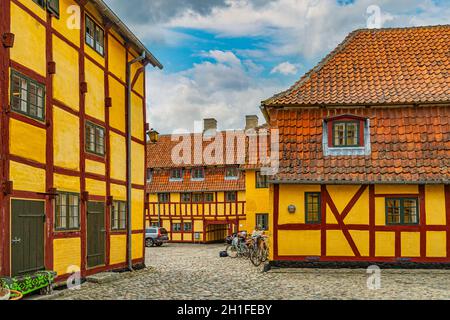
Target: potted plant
5,293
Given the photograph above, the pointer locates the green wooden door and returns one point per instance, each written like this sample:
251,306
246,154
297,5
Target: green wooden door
95,234
27,236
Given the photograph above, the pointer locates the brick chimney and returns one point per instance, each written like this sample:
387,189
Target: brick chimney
209,126
251,122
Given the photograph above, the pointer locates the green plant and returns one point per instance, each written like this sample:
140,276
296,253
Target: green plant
5,293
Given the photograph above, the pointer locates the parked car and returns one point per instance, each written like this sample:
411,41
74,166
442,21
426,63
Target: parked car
155,236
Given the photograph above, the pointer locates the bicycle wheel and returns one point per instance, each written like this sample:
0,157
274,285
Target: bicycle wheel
255,257
245,251
232,251
265,253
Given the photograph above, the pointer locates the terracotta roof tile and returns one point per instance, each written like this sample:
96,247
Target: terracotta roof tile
214,181
401,152
378,66
159,158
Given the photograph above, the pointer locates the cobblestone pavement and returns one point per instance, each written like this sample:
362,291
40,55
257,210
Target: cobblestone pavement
186,271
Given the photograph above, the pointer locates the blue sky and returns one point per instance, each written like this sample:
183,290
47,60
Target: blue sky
223,57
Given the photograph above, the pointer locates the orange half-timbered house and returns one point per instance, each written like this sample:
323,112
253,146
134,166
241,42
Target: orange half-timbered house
68,178
365,153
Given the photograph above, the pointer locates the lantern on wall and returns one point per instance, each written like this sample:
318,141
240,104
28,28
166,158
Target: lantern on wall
153,135
292,209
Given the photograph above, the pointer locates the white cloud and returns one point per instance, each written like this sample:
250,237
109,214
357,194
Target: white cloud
220,90
226,57
285,68
306,27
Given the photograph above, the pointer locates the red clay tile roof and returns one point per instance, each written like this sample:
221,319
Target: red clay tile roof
409,145
159,158
214,181
159,155
384,66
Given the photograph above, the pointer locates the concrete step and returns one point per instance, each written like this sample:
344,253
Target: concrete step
103,277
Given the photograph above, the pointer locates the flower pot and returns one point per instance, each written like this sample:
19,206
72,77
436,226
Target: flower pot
5,294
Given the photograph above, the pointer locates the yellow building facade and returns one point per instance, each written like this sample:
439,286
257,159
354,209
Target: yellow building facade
363,176
64,138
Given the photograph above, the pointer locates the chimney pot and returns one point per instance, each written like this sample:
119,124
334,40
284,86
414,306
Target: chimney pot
210,126
251,122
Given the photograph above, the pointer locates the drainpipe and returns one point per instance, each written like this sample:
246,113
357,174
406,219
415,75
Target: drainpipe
129,88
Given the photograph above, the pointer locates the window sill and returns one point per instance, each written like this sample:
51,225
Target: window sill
95,155
198,180
175,180
231,178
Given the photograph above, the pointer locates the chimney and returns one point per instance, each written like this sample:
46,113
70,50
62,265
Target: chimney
209,126
251,122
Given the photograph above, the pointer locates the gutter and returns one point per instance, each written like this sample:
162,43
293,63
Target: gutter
142,57
338,182
125,32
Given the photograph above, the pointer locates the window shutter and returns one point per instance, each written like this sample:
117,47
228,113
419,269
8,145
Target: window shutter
53,7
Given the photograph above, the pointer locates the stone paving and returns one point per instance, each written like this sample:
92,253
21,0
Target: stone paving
186,271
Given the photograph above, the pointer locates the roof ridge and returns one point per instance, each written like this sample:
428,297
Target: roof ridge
434,26
316,68
341,46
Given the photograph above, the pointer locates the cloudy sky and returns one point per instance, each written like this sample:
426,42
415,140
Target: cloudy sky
223,57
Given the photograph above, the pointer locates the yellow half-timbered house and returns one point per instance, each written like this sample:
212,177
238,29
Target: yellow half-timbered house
73,138
205,201
365,154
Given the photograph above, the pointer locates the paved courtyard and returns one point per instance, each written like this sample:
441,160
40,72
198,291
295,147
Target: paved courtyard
185,271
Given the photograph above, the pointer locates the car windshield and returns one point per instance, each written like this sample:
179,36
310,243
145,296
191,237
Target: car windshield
150,231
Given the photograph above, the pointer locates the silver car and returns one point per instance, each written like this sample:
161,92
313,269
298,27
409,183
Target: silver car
155,236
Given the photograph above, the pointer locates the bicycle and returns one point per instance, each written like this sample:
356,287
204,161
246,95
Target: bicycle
259,252
237,248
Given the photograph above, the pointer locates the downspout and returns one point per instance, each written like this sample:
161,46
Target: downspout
129,89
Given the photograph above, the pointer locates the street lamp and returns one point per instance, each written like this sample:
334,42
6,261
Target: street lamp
153,135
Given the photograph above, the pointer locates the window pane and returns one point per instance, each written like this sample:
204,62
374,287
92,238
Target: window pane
99,40
262,221
231,172
89,31
197,197
312,207
339,134
352,134
186,197
410,211
187,226
393,211
209,197
198,173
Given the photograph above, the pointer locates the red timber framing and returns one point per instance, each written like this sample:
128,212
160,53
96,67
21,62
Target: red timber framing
422,228
50,234
5,26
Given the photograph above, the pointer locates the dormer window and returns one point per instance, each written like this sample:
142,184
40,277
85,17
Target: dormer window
198,174
346,135
231,173
176,174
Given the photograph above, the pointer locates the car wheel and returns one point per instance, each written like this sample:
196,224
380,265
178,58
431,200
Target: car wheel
149,242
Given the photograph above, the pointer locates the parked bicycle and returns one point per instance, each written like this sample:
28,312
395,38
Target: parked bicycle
238,246
259,249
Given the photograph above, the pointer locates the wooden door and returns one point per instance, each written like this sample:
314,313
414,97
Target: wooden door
96,234
27,236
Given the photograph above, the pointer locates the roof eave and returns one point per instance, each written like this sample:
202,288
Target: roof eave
126,32
346,182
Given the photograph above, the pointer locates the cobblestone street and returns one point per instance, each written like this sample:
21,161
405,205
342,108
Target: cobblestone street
185,271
